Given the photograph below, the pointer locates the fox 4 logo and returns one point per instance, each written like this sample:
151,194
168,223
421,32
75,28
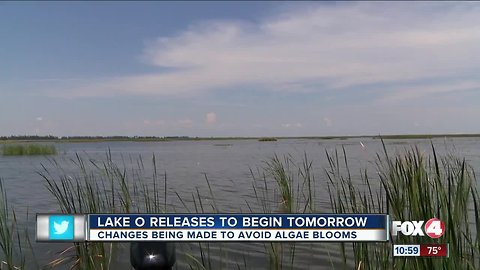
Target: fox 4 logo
434,228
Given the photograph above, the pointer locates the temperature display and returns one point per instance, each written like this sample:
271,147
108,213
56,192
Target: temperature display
424,250
434,250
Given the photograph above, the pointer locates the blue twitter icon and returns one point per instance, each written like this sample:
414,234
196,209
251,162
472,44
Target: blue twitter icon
61,227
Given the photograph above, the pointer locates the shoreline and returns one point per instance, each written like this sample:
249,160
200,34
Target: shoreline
19,139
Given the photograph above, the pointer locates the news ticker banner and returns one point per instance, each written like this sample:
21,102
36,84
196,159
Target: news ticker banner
213,227
421,250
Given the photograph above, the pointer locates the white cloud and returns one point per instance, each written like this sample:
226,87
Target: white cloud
344,45
211,118
39,118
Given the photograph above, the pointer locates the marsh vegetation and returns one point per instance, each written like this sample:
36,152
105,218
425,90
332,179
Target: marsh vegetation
28,149
408,185
267,139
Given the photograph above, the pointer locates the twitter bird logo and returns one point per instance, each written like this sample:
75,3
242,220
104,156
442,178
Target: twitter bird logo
61,227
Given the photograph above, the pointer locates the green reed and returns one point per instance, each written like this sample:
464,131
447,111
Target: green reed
10,241
292,191
106,187
100,187
413,186
28,149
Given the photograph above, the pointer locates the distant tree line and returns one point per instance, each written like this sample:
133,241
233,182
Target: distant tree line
28,137
51,137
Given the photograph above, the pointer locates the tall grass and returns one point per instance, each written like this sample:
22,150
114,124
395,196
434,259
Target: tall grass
28,149
100,187
293,191
10,243
408,186
107,187
413,186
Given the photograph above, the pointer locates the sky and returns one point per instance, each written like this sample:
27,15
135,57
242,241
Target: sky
239,68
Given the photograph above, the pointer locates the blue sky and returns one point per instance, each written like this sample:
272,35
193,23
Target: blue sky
239,68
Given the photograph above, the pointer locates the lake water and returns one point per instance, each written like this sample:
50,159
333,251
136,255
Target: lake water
227,164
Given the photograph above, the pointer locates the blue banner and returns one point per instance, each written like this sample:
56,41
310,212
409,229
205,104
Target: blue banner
237,221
